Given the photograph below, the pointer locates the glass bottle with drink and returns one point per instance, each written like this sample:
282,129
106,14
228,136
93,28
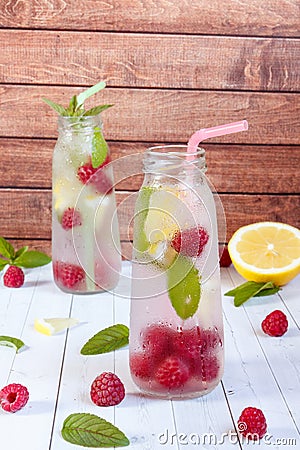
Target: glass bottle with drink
176,329
85,235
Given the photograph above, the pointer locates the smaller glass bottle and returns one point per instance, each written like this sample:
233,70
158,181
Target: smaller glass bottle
85,235
176,328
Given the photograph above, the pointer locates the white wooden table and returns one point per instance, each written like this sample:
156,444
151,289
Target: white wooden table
260,371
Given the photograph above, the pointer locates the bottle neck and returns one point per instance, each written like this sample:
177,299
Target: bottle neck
79,125
174,162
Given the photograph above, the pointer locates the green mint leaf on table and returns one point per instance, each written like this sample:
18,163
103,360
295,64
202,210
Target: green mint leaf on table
107,340
251,289
21,257
32,259
3,263
141,243
90,430
99,148
9,341
184,287
6,249
21,251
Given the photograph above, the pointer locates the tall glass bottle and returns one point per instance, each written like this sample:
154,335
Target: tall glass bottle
85,236
176,328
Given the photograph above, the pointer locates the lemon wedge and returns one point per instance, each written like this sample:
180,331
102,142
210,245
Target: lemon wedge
266,251
53,326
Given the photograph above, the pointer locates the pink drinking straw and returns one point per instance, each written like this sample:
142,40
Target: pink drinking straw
220,130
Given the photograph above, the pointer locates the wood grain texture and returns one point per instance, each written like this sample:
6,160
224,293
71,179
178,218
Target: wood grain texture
158,115
268,18
231,168
28,212
160,61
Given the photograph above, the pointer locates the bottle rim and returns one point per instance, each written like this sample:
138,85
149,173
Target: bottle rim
175,150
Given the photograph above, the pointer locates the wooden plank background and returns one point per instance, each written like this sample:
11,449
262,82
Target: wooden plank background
170,67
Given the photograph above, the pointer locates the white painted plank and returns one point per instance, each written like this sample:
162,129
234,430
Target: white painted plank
141,418
282,353
95,312
290,294
248,379
38,368
13,311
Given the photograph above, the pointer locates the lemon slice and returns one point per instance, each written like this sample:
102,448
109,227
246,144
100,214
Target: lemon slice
53,326
266,251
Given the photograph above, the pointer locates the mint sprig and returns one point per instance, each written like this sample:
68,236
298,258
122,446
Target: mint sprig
22,257
184,287
251,289
76,105
90,430
107,340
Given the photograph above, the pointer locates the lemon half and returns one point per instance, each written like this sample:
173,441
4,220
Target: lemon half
266,251
53,326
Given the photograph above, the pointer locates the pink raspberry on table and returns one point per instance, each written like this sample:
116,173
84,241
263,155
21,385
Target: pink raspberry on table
13,277
107,390
70,275
172,372
225,260
275,324
71,218
13,397
190,242
252,423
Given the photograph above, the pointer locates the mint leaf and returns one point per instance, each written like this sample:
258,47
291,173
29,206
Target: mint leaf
99,148
90,430
31,259
107,340
6,249
81,98
21,251
140,242
184,287
251,289
3,263
96,110
9,341
58,108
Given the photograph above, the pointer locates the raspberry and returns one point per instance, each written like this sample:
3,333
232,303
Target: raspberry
107,390
13,397
252,423
69,275
190,242
13,277
225,260
95,176
172,372
275,324
157,341
141,365
70,218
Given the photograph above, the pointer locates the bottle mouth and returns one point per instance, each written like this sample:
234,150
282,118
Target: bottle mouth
172,158
178,151
83,122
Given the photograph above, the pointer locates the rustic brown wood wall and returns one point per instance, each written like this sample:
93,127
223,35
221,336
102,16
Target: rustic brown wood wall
171,67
